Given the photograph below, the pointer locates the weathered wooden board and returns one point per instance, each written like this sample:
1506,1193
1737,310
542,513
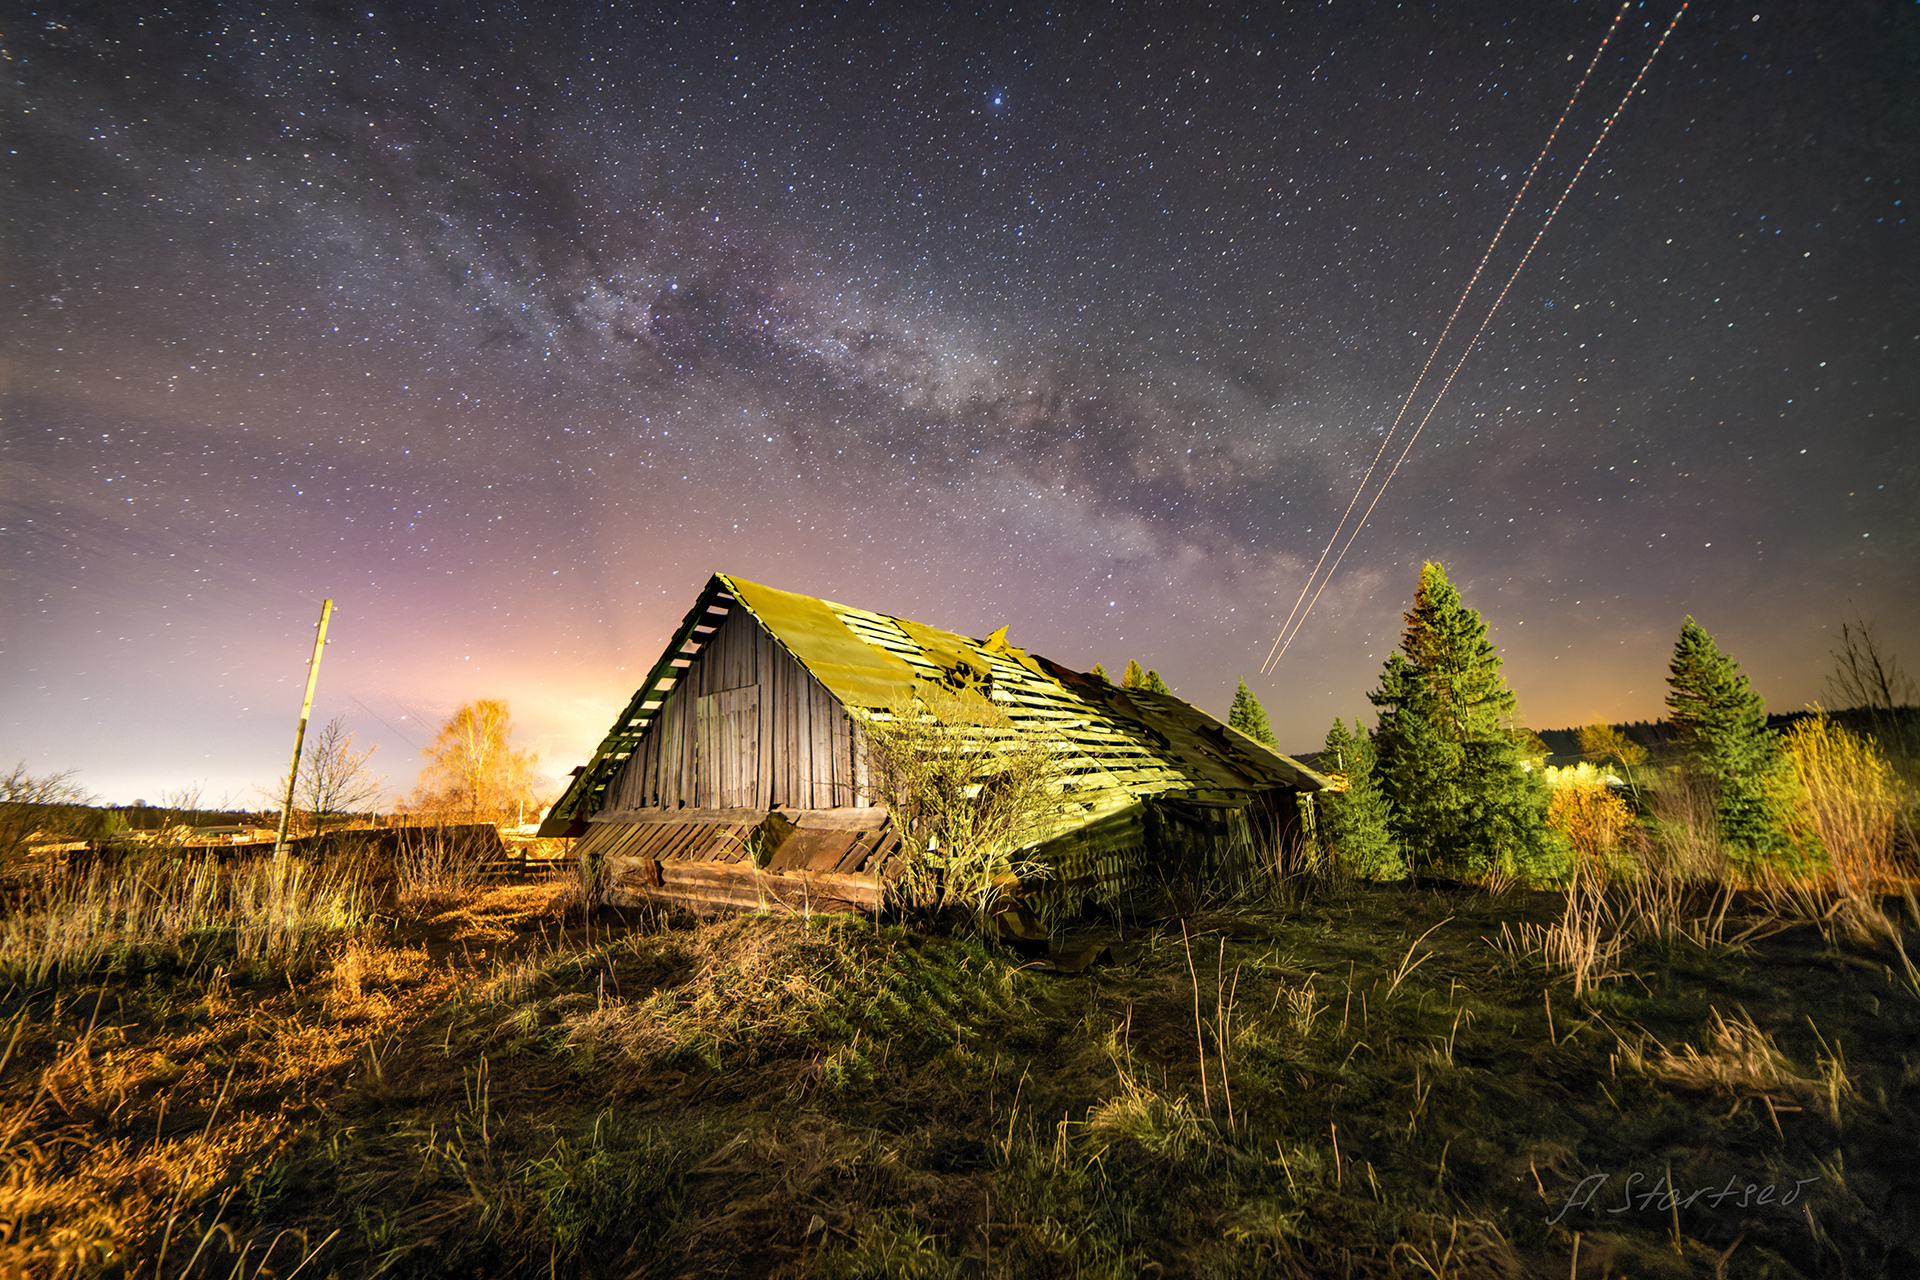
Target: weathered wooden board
627,816
712,886
744,725
847,819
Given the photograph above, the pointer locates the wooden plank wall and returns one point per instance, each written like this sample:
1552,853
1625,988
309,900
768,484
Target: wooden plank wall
800,749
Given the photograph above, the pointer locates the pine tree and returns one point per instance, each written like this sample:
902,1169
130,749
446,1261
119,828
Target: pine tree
1133,677
1356,824
1722,724
1250,718
1152,683
1447,757
1099,673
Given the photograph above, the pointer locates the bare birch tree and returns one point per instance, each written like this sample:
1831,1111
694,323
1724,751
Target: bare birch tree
473,768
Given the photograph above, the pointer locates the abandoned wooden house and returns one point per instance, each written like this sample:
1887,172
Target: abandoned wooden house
736,777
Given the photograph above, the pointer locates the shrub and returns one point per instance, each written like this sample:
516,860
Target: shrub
1585,812
966,788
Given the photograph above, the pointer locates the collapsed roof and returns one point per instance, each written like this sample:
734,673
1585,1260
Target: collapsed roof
1119,745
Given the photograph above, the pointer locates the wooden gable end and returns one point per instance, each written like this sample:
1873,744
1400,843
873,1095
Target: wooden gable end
745,726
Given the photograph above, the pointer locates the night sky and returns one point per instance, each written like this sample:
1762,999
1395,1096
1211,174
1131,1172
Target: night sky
505,327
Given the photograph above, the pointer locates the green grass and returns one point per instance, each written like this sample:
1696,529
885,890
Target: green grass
1391,1087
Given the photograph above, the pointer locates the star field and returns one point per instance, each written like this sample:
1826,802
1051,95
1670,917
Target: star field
505,329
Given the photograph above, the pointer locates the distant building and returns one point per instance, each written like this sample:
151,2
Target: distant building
747,735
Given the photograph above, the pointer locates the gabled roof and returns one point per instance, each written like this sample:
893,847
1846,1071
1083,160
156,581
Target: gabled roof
1124,743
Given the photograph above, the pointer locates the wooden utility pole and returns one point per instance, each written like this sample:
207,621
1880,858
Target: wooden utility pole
300,734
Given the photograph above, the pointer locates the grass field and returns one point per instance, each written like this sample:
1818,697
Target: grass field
1340,1079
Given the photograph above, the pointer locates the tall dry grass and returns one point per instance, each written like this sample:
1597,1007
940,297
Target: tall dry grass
1849,806
278,910
1666,878
1682,832
433,868
1844,808
1841,805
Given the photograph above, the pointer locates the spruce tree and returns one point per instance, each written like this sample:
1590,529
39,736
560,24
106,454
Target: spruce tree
1250,718
1721,722
1099,673
1152,683
1133,677
1447,759
1356,824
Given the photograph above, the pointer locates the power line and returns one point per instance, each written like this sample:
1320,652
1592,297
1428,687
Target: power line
1285,639
1486,257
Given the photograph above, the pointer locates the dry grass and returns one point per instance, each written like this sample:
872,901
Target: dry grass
1665,880
435,870
1683,837
1588,938
491,1085
1851,802
1164,1126
167,1026
747,987
191,907
1741,1060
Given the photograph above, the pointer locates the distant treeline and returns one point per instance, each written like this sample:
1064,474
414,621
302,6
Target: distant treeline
1564,744
1655,734
108,818
153,817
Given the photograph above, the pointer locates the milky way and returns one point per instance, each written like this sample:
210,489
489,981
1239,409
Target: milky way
504,331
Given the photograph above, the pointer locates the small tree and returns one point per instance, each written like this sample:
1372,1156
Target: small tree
1865,675
334,778
966,789
51,806
1138,677
1604,744
1447,755
1356,824
1099,673
1250,718
472,767
1721,724
1868,678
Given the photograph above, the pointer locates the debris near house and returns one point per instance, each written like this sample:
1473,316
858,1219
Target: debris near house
740,775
